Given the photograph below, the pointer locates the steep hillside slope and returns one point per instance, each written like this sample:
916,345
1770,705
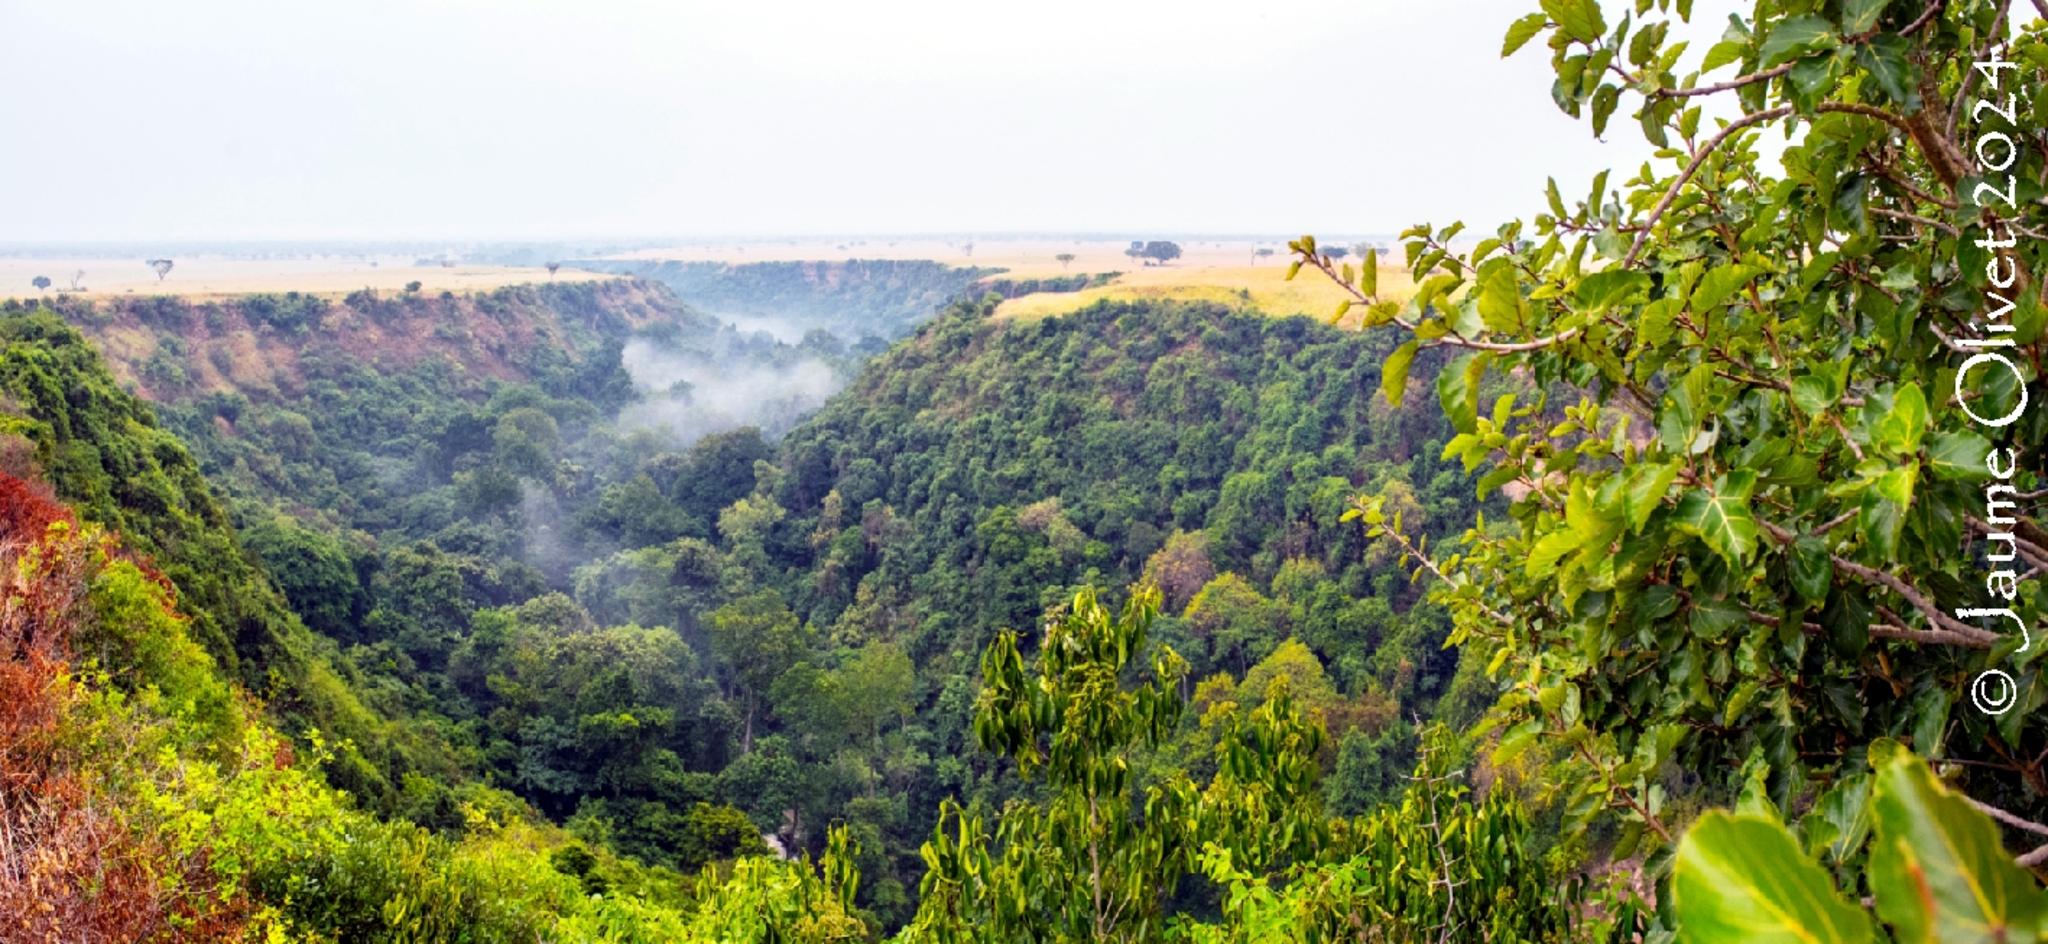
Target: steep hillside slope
982,466
363,412
275,346
63,416
141,799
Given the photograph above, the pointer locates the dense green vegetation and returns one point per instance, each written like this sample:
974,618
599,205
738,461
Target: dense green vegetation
738,669
751,612
1696,604
143,801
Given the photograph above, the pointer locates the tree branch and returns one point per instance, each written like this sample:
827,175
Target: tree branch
1942,621
1948,228
2008,818
1454,339
1941,153
1730,85
1926,15
1692,167
1970,75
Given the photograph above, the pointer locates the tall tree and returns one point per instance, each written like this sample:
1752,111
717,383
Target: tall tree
1084,864
758,639
1768,432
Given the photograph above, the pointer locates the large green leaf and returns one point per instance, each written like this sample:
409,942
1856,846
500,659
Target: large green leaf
1646,488
1743,880
1937,868
1580,19
1793,37
1882,521
1394,372
1457,390
1959,455
1721,54
1606,289
1812,570
1500,297
1720,516
1885,59
1521,32
1720,283
1902,427
1860,15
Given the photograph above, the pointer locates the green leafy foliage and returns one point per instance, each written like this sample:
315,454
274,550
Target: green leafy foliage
1432,865
1750,497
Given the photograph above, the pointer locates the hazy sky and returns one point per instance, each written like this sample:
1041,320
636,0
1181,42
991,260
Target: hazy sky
207,119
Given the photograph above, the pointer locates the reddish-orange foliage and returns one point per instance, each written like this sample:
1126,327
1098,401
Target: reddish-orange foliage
72,868
27,509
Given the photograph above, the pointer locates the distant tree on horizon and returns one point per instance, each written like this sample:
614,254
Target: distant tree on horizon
41,282
552,266
76,277
413,286
162,267
1065,259
1162,251
1261,253
1337,252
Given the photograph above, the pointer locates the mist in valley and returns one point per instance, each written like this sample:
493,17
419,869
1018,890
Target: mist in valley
688,395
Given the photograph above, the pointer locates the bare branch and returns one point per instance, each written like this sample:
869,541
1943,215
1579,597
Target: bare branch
2008,819
1903,184
1934,615
1926,16
1948,228
1730,85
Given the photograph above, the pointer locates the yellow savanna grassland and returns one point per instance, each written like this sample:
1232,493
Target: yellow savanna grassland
1263,288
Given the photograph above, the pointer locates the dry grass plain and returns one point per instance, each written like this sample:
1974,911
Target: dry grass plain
213,277
1224,271
1263,288
1024,258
